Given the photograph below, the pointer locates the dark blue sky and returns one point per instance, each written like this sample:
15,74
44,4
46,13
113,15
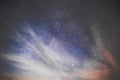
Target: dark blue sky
73,19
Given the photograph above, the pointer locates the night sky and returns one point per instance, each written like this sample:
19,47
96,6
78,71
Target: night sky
82,31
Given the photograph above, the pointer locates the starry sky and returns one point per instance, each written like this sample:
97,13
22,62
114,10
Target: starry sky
81,29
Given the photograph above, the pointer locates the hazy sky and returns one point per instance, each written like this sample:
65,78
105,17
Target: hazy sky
68,21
